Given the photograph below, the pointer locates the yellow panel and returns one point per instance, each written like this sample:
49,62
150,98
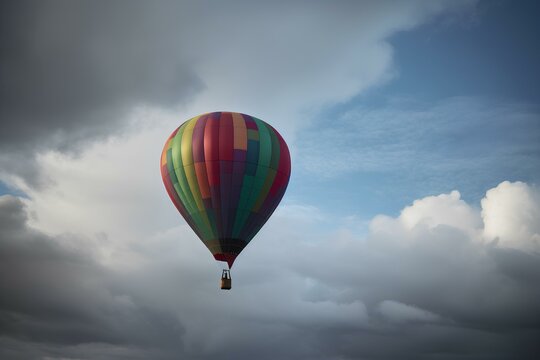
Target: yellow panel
187,142
240,132
238,120
194,186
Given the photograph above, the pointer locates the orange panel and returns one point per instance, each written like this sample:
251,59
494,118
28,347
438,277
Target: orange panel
202,179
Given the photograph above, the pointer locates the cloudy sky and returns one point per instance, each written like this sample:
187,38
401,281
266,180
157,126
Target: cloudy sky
411,226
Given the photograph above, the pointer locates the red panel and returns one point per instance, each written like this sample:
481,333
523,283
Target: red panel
198,139
284,156
213,171
211,149
250,123
279,181
225,188
211,139
202,179
216,205
229,258
226,137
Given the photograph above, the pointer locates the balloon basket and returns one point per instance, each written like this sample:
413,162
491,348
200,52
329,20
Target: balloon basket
226,280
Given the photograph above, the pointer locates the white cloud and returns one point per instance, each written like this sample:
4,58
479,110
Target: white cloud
511,214
444,209
282,62
428,214
426,266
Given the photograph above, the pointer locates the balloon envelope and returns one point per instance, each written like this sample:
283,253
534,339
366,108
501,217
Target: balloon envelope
226,173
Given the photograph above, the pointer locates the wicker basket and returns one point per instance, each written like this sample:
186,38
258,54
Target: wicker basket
226,280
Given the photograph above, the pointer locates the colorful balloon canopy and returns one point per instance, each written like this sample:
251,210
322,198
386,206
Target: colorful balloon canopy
226,173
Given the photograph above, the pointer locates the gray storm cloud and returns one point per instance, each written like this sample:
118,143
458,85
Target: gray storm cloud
55,294
70,69
430,282
71,72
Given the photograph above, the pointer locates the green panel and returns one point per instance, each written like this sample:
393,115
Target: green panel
247,186
205,228
260,178
274,162
174,177
239,219
187,197
265,189
271,174
212,218
170,168
197,218
265,144
183,189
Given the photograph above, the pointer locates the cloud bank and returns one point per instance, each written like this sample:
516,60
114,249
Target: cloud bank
73,72
439,280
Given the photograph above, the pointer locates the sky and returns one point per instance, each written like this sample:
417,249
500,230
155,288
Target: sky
410,228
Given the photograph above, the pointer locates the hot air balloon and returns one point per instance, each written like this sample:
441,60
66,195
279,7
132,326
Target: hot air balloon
226,173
